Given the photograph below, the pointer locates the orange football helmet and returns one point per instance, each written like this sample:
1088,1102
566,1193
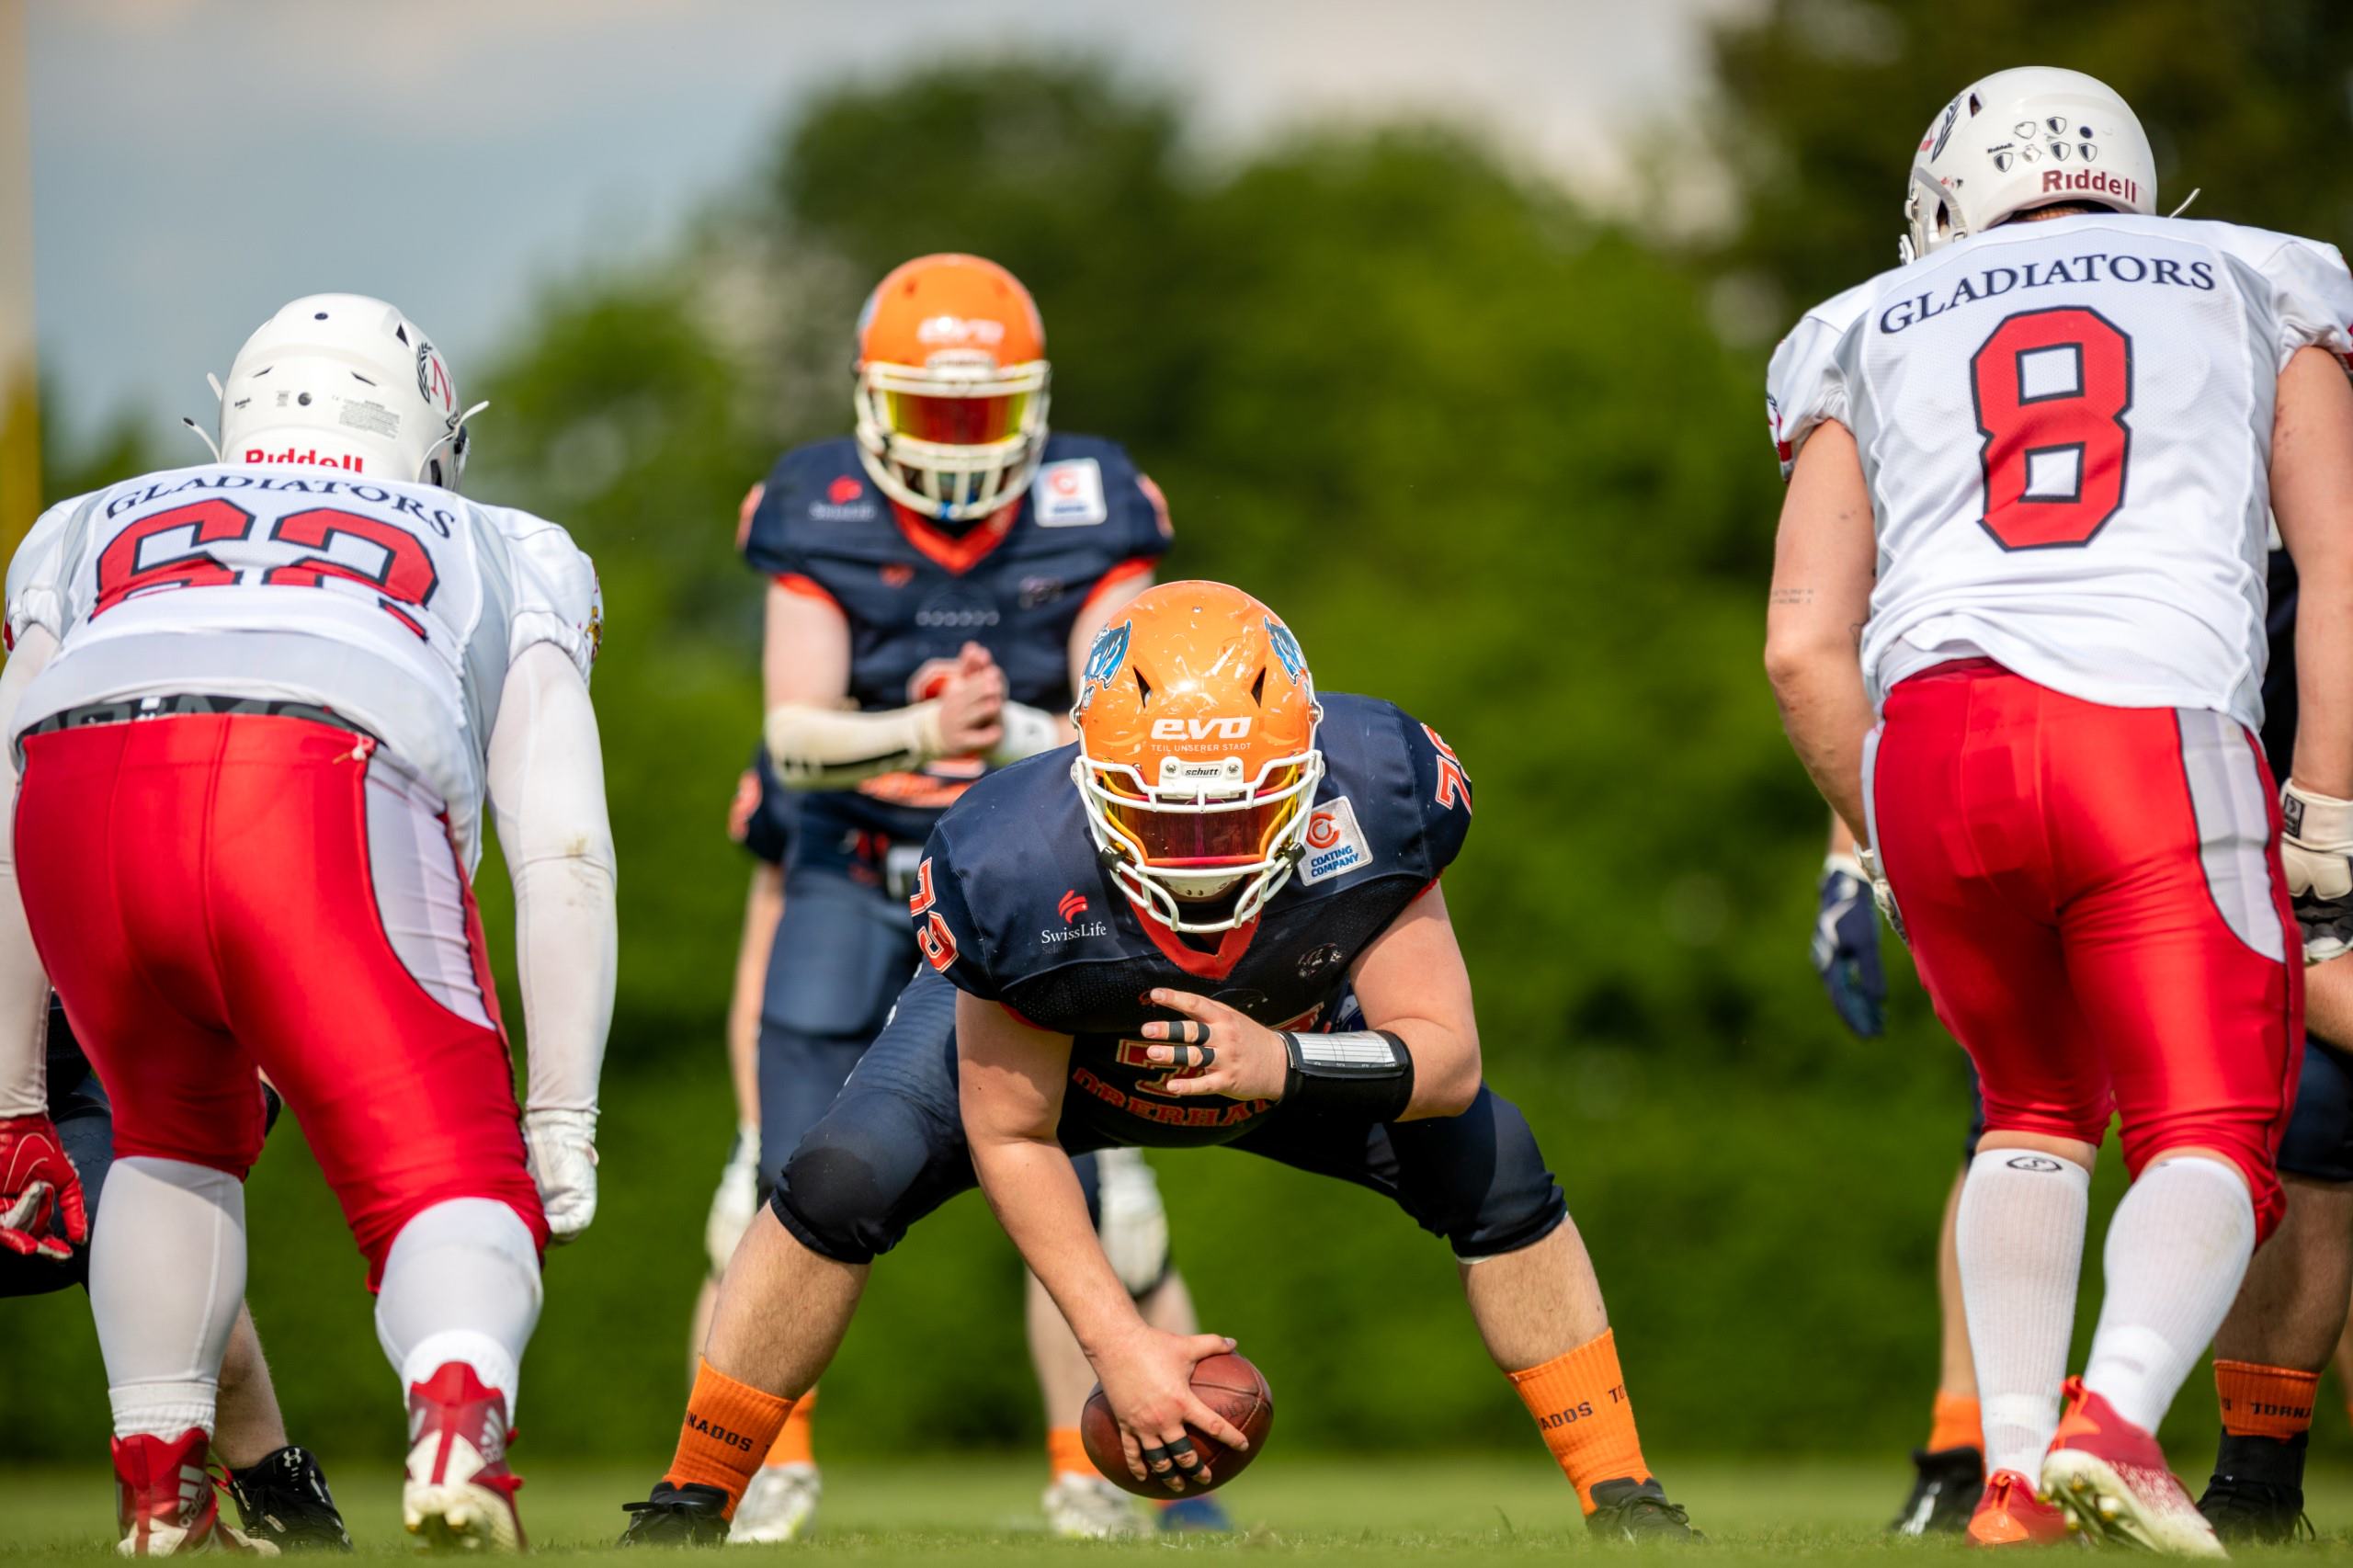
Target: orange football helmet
951,387
1197,756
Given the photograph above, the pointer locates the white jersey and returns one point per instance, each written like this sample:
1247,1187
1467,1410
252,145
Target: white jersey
2066,428
395,606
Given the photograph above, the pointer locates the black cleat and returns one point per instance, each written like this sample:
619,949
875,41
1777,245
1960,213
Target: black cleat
1944,1493
692,1514
1638,1511
283,1499
2257,1494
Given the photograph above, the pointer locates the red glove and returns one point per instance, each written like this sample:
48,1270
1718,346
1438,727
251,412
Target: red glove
38,1187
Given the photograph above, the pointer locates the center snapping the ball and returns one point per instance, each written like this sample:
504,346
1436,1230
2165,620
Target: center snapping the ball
1227,1384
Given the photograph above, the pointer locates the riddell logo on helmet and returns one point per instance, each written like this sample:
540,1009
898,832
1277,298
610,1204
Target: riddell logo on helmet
2099,180
347,463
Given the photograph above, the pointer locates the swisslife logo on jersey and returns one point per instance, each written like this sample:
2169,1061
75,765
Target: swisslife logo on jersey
1068,494
1334,843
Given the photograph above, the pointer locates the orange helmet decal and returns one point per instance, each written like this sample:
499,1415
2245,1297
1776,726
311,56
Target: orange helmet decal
951,387
1198,760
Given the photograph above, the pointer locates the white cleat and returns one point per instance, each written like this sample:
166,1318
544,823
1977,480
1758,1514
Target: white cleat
780,1505
2127,1505
459,1495
1088,1508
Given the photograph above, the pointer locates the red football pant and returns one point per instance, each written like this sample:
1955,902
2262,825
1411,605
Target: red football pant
2095,905
210,896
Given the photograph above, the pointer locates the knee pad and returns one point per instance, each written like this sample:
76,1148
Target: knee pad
2319,1141
851,1188
1478,1179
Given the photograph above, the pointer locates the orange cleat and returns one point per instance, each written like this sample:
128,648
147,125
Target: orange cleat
2110,1478
164,1502
2009,1514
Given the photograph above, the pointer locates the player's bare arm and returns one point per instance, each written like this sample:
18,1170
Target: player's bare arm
818,740
1823,560
2311,495
1410,982
1011,1092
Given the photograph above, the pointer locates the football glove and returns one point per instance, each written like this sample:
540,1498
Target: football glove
562,1150
737,1202
1882,894
1845,947
41,1213
1133,1225
2316,851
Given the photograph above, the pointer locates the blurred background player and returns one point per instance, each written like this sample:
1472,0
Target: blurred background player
1206,768
935,581
2070,806
280,1489
2284,1329
259,704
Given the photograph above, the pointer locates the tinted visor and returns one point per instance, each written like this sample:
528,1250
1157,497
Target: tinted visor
1239,835
957,421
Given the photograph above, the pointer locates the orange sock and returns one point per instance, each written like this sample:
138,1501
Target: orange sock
1065,1454
796,1444
2265,1402
1579,1401
729,1426
1955,1422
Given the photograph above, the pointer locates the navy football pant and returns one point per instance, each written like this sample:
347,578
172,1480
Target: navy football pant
2319,1141
891,1148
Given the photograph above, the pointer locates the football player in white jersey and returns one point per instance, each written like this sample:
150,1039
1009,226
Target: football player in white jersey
254,711
2030,477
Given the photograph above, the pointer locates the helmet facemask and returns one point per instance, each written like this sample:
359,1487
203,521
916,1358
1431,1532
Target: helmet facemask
1204,837
955,442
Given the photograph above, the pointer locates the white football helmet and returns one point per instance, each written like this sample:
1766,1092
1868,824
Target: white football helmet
348,382
2025,138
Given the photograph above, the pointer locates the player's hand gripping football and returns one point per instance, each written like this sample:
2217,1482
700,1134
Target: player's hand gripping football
1216,1049
1148,1381
562,1149
1845,947
2316,851
971,704
41,1213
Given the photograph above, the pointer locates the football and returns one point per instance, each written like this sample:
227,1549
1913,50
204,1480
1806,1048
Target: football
1227,1384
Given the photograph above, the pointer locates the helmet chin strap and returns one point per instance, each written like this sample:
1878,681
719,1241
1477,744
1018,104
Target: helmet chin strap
218,396
457,430
2186,201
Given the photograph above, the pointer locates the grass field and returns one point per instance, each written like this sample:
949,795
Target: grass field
1450,1510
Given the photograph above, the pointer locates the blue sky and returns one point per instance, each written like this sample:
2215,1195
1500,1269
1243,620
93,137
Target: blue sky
197,162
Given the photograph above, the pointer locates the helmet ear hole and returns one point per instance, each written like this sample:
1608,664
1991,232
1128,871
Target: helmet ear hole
1259,688
1143,688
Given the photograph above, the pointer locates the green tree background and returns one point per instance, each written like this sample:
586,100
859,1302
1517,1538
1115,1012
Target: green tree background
1496,457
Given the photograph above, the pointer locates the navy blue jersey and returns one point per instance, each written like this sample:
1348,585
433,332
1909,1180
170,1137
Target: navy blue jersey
1012,905
765,812
915,593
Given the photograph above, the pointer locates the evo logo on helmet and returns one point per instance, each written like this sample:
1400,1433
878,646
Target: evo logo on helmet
1234,729
2099,180
959,330
347,463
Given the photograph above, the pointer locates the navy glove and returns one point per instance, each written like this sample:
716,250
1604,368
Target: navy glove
1845,948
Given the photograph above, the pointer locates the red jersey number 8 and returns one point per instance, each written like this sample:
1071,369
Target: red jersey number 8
2051,389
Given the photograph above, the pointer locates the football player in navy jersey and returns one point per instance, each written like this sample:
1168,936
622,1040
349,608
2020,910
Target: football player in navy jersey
934,579
1216,919
280,1492
2284,1327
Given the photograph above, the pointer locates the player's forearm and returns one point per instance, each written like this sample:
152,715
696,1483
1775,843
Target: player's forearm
816,747
546,784
2312,496
1827,717
1035,1192
24,985
2328,1002
763,908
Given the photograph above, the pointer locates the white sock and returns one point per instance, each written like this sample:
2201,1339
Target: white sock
167,1274
2021,1244
461,1283
2177,1252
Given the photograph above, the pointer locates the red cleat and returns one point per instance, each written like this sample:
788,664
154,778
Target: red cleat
2111,1479
164,1502
460,1496
2009,1514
